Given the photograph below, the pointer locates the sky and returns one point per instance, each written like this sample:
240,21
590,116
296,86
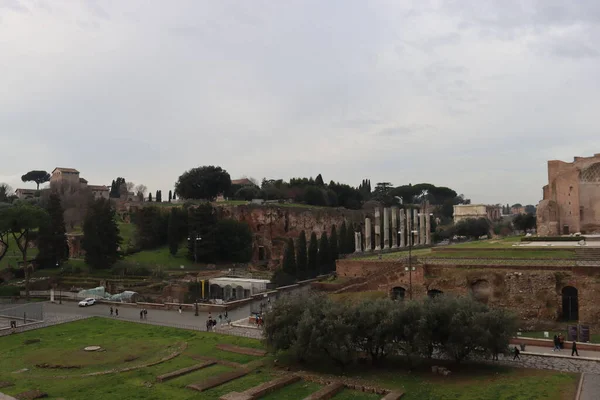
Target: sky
473,95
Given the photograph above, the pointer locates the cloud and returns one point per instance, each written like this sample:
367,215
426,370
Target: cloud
472,95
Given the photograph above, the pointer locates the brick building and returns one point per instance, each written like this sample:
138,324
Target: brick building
571,199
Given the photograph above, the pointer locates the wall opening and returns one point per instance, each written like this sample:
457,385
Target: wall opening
565,229
570,304
481,290
398,293
433,293
261,253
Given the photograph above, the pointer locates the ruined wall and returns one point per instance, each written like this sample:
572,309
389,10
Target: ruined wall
533,293
273,225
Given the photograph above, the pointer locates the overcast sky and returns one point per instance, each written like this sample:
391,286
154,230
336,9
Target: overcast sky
474,95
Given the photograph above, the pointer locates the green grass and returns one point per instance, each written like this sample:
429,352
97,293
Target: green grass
162,258
63,344
13,255
594,338
298,390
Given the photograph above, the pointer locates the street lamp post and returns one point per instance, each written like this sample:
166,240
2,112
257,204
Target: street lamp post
410,269
196,239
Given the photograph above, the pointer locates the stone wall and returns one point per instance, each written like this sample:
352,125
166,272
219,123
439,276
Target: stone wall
533,293
273,225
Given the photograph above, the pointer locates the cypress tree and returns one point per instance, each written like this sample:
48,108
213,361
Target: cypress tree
174,198
170,195
334,250
52,239
101,237
173,231
302,258
323,257
349,242
313,254
157,198
342,239
289,259
150,197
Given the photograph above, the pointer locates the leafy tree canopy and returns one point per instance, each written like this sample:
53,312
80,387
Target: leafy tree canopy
203,183
36,176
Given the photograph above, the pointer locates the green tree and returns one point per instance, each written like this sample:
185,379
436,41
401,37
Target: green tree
101,236
174,236
38,177
52,239
150,197
312,266
22,220
115,187
374,328
203,183
302,257
247,193
151,227
323,257
334,252
349,243
498,326
342,239
233,241
202,223
319,180
289,258
170,195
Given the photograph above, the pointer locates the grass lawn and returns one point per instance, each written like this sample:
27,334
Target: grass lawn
162,258
594,338
128,344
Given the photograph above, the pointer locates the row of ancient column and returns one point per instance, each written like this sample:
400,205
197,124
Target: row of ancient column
409,227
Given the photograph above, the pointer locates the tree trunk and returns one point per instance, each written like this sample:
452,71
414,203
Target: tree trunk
27,273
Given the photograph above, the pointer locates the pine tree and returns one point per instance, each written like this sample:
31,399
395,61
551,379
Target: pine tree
157,198
174,229
174,198
52,239
323,257
289,259
319,181
334,250
342,239
170,195
101,238
302,258
313,255
150,197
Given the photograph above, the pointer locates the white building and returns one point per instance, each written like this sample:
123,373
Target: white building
236,288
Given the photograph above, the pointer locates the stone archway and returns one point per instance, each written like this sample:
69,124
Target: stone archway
481,290
398,293
433,293
216,291
570,304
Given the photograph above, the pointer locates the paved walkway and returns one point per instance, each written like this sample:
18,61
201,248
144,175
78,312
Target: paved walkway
591,387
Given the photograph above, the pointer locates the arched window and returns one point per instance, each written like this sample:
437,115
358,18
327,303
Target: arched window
398,293
433,293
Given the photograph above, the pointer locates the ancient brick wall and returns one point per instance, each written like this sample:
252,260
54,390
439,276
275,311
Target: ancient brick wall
533,293
273,225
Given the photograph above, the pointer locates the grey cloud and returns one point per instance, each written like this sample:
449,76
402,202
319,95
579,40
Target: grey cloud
14,5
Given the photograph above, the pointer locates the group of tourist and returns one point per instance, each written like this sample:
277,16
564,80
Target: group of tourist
143,313
559,344
116,311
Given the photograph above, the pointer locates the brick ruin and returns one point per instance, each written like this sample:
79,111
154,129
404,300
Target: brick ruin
539,295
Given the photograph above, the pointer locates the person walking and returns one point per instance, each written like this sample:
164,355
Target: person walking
517,352
179,309
111,311
556,344
116,312
142,314
574,349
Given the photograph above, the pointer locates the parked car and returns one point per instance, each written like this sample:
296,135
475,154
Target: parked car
87,302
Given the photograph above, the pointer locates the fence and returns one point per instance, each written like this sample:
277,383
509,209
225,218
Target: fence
29,312
549,262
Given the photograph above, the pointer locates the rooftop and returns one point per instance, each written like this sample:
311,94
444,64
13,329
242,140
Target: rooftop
61,169
247,280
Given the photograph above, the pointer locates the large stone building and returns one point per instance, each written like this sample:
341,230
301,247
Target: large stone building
571,201
69,178
475,211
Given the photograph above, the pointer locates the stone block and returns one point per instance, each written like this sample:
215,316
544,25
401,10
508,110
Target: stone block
218,380
183,371
395,395
263,389
327,392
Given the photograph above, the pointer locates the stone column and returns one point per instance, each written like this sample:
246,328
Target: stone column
422,229
367,234
409,227
386,228
357,242
415,238
377,229
427,229
394,211
52,295
402,228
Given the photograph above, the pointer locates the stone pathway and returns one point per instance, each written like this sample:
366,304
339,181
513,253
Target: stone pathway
49,320
591,387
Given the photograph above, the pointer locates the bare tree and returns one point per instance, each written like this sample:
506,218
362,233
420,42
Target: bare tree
130,186
141,189
5,192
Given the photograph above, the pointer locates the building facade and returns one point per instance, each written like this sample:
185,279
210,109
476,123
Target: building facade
475,211
571,199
